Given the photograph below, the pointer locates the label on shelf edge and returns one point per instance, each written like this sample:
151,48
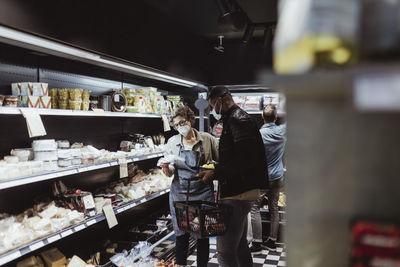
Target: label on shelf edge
36,245
10,257
136,159
53,238
143,200
66,233
79,227
120,210
89,223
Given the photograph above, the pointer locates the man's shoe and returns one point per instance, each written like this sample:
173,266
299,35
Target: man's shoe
255,248
270,245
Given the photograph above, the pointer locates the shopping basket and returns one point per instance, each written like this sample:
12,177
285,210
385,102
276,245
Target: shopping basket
201,218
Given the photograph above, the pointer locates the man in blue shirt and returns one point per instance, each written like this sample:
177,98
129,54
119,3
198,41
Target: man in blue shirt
274,139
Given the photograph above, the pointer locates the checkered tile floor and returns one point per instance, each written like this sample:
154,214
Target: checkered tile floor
265,259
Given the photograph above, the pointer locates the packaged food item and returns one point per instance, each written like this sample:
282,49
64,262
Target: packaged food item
32,261
23,154
64,153
94,104
63,104
106,102
132,109
45,102
40,89
64,162
75,104
23,101
11,101
50,165
158,105
140,103
24,89
53,258
11,159
53,93
252,103
63,144
46,155
1,100
76,161
76,153
86,95
63,94
75,94
85,105
130,96
119,102
239,100
33,102
44,145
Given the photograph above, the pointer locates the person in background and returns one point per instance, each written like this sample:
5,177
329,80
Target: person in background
241,173
274,139
196,148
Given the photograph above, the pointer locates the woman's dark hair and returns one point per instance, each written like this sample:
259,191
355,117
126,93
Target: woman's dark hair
185,112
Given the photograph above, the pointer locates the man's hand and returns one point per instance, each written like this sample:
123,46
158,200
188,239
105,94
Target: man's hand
206,176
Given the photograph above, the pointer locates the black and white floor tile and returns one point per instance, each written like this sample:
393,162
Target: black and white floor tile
264,259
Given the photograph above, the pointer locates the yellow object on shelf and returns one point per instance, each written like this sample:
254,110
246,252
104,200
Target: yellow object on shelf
53,258
208,166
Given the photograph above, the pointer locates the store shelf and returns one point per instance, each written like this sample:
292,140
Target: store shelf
65,112
65,172
35,245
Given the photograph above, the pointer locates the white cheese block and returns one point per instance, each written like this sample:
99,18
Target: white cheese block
50,165
76,153
46,155
11,159
76,161
23,154
76,262
64,162
44,145
63,144
64,153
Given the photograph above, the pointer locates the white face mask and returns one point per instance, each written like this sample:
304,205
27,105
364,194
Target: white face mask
216,115
184,130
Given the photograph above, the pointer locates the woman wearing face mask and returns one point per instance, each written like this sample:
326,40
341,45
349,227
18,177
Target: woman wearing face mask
196,148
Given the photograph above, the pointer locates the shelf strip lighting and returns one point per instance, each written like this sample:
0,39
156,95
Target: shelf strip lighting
38,42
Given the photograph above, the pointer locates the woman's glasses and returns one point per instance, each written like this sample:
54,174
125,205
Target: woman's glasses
181,123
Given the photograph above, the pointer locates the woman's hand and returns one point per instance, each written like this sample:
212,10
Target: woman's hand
206,176
166,169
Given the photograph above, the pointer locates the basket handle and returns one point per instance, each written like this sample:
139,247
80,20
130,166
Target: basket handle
194,178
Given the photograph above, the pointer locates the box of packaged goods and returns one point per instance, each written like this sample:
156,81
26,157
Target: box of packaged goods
30,89
239,100
270,99
252,103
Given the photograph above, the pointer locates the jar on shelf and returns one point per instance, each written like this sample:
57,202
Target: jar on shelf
63,94
63,103
86,95
75,94
85,105
11,101
75,104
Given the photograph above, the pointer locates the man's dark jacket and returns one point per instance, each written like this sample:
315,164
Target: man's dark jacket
242,166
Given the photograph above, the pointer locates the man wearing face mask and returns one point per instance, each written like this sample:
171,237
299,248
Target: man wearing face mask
241,172
196,149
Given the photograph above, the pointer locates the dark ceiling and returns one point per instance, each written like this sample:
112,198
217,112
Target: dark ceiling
177,36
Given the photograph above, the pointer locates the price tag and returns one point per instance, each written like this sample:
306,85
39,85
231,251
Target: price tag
110,216
136,159
166,125
150,157
114,163
10,257
123,168
66,233
36,246
53,238
143,200
98,110
79,227
116,98
89,223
